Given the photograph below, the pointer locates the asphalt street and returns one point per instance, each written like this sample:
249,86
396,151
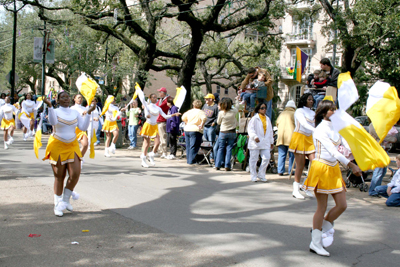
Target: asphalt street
176,215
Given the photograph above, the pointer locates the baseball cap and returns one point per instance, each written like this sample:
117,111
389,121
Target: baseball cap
162,89
209,96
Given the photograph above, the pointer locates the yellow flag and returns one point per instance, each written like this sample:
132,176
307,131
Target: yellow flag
87,87
92,141
347,91
37,143
366,151
383,108
109,100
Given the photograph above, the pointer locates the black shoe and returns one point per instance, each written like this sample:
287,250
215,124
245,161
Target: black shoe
228,169
217,168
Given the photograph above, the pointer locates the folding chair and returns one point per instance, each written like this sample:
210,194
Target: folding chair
206,148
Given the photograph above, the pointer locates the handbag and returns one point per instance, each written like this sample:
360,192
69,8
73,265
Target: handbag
243,124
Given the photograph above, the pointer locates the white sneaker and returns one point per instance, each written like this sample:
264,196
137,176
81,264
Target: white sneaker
309,193
296,192
130,147
106,153
144,163
155,155
263,180
163,156
112,148
11,140
151,160
171,157
59,206
5,145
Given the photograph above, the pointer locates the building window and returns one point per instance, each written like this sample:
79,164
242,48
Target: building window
308,51
295,93
226,91
218,89
302,30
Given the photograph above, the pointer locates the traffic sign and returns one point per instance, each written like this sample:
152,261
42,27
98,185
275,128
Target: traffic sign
8,77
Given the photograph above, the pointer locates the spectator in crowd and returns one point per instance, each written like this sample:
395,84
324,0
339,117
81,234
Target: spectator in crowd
285,124
98,132
161,139
261,141
379,173
331,72
194,120
172,128
391,191
211,110
227,134
133,115
319,83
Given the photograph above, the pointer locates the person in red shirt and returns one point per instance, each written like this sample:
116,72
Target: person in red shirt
161,140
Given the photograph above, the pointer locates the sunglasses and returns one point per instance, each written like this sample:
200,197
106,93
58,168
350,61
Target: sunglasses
263,108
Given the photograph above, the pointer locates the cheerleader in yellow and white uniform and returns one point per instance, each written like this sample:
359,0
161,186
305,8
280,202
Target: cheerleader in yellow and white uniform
28,114
150,128
110,124
325,178
301,143
7,121
81,136
63,150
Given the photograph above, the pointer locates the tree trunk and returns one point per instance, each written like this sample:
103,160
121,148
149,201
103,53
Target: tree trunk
188,66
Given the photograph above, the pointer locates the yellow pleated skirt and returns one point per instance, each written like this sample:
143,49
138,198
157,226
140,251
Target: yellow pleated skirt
6,124
301,144
324,178
109,126
149,130
58,150
79,134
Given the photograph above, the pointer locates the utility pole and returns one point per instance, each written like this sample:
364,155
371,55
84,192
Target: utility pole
105,61
44,58
14,47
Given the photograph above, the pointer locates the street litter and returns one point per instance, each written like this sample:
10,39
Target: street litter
74,243
85,231
33,235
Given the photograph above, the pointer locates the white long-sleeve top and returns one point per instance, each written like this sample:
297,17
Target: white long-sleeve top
256,129
395,182
153,110
65,121
95,114
326,142
304,121
79,108
2,102
28,106
7,111
110,113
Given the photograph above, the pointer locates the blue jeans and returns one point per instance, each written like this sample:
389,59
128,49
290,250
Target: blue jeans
317,99
193,142
132,131
376,180
393,200
210,134
282,153
225,141
250,100
45,127
98,132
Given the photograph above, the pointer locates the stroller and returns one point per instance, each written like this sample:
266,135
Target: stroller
358,181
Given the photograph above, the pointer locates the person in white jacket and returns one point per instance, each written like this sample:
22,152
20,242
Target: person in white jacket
301,143
325,178
7,121
261,141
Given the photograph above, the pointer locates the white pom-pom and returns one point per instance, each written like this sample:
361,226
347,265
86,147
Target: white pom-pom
75,195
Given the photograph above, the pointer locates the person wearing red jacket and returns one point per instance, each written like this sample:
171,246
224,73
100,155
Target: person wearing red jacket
161,139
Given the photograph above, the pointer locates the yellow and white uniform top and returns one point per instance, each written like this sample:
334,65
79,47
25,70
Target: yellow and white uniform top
304,121
153,110
7,111
326,142
112,113
28,106
65,121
